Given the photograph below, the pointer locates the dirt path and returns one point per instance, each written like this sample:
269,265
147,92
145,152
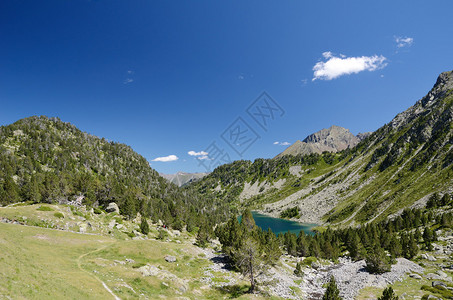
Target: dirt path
79,265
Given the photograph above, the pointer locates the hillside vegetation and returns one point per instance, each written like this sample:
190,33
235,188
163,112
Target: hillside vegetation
46,160
399,165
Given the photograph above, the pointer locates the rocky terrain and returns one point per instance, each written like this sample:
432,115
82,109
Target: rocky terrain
332,139
374,176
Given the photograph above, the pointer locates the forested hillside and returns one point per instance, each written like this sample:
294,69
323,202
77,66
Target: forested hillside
46,160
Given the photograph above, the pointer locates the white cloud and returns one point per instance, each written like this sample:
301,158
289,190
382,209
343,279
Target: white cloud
128,80
203,157
282,143
201,153
336,66
166,158
130,72
403,41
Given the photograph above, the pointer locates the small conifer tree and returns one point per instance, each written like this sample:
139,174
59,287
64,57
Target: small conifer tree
332,291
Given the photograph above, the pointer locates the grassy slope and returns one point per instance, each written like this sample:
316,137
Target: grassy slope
43,263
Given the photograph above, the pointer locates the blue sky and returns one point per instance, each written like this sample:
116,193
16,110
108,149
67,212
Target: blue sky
170,77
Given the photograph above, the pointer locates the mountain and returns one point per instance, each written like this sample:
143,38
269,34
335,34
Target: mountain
46,160
332,139
399,165
182,178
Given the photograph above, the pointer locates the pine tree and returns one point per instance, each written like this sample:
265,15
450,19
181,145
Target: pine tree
247,219
332,291
298,271
355,247
427,235
412,248
388,294
302,244
144,226
249,260
377,261
202,238
395,248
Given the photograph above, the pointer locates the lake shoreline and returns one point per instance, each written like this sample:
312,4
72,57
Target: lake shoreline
279,225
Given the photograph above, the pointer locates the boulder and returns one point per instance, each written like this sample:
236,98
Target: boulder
181,285
431,258
83,228
415,276
112,224
439,284
112,207
442,274
170,258
149,270
130,260
433,276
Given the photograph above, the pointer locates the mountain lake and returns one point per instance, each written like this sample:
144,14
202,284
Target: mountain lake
278,225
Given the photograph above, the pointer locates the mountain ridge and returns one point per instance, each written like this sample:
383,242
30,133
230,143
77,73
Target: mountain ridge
332,139
398,166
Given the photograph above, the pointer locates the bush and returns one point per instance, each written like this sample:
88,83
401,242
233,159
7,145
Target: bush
163,235
298,271
131,234
97,210
309,261
59,215
446,294
44,208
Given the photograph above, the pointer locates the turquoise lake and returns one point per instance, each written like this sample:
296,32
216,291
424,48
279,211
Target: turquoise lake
278,225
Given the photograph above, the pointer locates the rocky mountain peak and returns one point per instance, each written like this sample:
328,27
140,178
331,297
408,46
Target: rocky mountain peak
334,136
443,85
332,139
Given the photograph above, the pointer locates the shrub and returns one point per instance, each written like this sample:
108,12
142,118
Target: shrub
59,215
309,260
44,208
298,271
97,210
163,234
446,294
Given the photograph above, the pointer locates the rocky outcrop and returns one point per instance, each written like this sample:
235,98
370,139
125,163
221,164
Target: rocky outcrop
113,207
332,139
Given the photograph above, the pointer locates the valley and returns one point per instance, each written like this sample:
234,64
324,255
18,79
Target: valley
359,216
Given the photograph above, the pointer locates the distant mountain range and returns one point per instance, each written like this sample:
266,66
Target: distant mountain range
182,178
332,139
